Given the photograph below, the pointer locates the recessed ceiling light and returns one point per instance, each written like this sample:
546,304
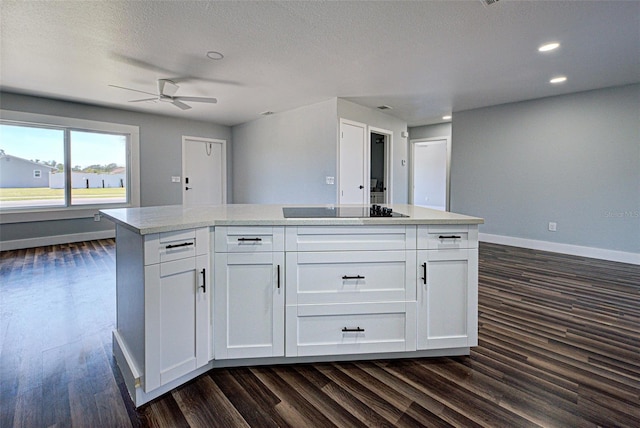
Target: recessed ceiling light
266,113
549,47
214,55
447,117
558,79
384,107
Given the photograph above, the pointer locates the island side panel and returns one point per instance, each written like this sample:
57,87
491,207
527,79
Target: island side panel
130,292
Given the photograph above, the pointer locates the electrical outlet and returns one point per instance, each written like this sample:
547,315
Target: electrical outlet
553,226
96,217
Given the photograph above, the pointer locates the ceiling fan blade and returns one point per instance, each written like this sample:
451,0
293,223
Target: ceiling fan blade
134,90
144,99
197,99
178,104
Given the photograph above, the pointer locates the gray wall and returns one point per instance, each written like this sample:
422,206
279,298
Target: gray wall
572,159
160,157
430,131
286,157
378,119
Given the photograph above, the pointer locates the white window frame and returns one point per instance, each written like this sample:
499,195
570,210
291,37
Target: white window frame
76,211
37,173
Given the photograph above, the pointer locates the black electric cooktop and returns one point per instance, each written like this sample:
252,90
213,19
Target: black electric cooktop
340,212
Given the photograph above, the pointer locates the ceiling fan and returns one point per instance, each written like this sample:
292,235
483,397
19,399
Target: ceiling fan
166,93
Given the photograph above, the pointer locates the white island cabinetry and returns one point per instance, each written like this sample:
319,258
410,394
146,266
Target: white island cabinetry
163,298
350,290
232,285
447,286
249,292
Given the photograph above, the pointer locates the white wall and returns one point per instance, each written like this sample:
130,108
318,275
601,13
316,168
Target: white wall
571,159
285,158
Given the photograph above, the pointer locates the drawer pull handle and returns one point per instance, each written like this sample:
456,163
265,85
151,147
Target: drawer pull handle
204,280
249,239
424,273
352,330
353,277
184,244
449,237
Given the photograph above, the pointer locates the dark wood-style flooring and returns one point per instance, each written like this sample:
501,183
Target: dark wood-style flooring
559,347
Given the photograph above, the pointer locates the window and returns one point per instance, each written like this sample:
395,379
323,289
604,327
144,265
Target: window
50,163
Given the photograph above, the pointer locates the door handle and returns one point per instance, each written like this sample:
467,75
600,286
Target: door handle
204,281
361,186
188,188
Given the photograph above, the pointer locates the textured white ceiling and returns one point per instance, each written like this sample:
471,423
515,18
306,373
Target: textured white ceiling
423,58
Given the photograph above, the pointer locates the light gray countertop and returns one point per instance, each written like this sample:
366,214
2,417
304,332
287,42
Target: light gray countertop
168,218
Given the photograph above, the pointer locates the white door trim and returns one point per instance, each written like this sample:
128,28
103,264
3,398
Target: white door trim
388,161
185,140
411,171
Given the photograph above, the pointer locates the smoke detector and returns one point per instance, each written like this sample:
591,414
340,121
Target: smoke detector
489,2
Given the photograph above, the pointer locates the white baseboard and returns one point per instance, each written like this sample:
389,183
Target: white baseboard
555,247
19,244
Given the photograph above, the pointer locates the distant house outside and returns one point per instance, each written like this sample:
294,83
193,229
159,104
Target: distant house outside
16,172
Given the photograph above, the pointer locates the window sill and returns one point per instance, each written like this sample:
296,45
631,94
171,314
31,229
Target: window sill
49,214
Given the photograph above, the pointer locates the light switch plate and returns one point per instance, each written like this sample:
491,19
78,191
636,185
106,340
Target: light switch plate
175,179
331,180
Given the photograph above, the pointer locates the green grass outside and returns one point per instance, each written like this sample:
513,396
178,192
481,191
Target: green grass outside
38,193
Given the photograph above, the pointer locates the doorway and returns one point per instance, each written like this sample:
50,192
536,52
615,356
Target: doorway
430,173
380,165
204,168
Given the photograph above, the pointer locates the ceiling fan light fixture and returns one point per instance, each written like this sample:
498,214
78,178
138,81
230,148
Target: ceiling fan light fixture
216,56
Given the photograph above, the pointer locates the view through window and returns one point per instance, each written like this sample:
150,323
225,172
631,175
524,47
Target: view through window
60,167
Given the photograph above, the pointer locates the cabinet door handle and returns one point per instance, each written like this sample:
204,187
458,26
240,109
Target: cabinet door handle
278,275
424,273
249,239
449,237
352,330
184,244
353,277
204,280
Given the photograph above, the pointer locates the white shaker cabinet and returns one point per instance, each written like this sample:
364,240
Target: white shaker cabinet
447,287
163,296
249,292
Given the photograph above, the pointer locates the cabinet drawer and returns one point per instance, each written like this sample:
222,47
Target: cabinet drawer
350,277
347,329
445,237
235,239
346,238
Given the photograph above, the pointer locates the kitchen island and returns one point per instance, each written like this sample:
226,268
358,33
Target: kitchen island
216,286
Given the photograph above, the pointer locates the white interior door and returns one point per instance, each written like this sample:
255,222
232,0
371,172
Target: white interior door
353,178
204,171
430,173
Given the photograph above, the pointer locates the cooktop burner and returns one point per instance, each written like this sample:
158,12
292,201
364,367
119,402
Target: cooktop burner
340,212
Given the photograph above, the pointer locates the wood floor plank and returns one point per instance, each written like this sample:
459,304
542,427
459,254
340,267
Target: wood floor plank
559,339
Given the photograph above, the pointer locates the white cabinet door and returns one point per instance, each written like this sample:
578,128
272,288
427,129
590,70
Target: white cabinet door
176,319
447,298
249,305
